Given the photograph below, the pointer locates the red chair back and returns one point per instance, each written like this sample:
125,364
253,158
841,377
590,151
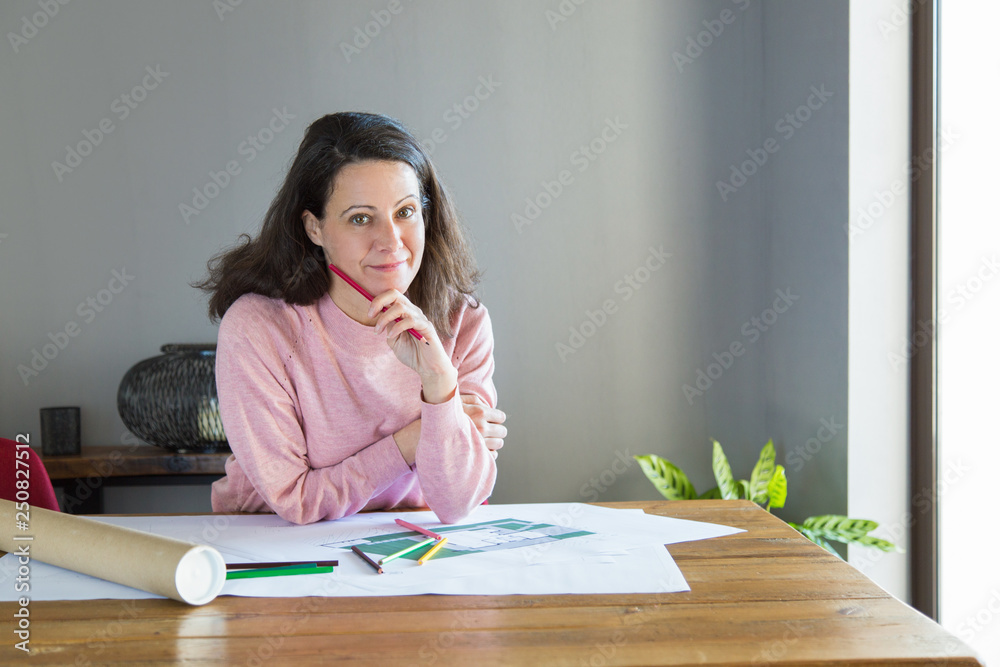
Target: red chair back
18,466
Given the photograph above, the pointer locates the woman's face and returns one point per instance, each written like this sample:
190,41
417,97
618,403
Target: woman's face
372,227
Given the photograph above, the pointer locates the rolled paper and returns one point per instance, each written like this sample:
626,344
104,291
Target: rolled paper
192,573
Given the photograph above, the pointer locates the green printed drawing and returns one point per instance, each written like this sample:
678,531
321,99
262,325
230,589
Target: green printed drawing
495,535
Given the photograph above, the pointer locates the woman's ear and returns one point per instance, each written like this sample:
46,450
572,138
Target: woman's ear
312,226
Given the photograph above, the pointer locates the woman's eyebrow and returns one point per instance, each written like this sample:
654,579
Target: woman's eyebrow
373,208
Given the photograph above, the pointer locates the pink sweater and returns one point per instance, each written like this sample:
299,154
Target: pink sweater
309,400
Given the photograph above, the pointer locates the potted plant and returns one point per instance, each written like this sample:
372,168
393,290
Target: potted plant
768,487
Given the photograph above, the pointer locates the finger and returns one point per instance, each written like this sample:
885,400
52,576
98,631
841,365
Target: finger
394,329
494,455
476,409
384,320
491,430
385,300
388,323
493,444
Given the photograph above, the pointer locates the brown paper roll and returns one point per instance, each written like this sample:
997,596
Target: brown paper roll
191,573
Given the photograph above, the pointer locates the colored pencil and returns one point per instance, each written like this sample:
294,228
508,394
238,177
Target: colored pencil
403,552
278,572
433,550
257,566
368,560
364,293
407,524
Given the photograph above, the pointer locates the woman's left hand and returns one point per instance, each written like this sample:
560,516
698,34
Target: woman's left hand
427,357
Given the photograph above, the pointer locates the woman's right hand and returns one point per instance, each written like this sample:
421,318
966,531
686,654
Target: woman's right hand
489,422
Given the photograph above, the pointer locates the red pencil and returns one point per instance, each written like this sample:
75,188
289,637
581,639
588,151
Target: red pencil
364,293
407,524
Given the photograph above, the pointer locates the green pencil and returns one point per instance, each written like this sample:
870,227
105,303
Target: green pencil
278,571
412,547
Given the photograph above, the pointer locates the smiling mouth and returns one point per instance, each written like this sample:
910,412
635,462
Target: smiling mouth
386,267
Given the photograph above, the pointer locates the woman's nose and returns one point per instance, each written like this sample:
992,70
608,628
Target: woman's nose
387,236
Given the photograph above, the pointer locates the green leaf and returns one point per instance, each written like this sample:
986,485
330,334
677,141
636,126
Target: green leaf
877,543
777,488
743,487
711,494
840,525
723,473
668,479
761,475
812,536
847,530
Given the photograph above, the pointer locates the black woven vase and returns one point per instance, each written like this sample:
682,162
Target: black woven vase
170,401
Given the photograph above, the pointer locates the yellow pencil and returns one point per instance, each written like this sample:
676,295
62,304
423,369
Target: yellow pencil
433,550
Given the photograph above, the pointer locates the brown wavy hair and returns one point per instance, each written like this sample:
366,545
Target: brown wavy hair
283,262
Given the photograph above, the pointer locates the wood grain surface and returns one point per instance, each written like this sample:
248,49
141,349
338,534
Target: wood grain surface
767,596
130,461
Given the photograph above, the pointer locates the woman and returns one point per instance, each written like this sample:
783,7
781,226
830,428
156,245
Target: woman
330,405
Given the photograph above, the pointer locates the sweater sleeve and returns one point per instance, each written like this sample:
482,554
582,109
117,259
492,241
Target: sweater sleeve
258,407
455,468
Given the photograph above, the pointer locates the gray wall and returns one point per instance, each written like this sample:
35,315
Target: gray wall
680,128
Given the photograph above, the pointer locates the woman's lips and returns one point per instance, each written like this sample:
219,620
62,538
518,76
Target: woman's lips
386,267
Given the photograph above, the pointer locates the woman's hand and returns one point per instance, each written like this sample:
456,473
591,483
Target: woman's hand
489,421
427,357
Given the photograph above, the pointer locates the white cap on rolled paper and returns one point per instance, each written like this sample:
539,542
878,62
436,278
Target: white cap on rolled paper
185,571
200,576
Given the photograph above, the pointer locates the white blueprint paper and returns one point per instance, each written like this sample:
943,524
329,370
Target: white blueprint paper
568,548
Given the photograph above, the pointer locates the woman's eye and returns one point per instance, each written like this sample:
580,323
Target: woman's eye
407,212
359,219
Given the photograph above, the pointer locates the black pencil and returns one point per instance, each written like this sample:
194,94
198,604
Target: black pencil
251,566
368,560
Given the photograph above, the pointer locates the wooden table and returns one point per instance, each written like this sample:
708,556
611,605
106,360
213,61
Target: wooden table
767,596
83,477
